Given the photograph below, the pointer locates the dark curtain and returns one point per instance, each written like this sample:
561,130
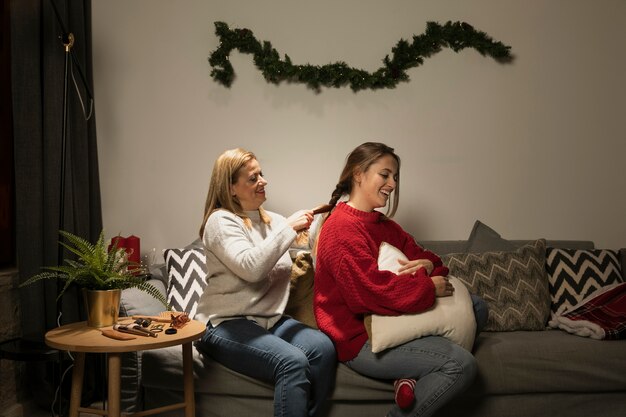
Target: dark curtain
7,184
38,61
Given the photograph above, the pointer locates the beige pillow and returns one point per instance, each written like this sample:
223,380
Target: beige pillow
300,304
450,317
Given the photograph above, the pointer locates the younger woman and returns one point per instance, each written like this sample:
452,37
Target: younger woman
348,285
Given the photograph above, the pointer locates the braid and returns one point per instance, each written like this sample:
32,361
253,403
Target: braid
341,189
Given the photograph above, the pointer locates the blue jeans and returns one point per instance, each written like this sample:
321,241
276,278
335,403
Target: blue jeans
442,368
481,313
298,360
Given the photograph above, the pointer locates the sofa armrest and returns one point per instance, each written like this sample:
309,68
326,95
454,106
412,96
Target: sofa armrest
137,302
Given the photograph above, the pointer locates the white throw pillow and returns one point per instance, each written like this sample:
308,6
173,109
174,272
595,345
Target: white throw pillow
450,317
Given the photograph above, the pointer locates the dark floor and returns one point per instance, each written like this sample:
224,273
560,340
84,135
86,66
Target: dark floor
30,409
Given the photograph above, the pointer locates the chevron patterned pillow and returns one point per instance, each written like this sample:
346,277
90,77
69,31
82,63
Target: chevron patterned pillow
186,270
574,274
514,284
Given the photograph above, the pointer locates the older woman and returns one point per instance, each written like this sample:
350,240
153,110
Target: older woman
247,290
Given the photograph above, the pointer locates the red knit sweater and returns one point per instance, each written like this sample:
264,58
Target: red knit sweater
348,283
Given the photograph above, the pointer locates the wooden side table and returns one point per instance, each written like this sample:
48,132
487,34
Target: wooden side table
81,339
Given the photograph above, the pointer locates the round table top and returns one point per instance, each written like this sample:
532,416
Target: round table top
78,337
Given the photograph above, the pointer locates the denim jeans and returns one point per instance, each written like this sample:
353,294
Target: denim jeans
442,368
298,360
481,312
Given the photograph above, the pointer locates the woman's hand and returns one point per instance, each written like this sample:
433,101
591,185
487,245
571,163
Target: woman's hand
443,288
411,267
300,220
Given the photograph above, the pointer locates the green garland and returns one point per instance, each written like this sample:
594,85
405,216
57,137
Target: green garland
454,35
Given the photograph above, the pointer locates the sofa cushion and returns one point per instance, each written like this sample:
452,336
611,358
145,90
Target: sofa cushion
622,255
162,368
186,270
451,317
484,239
136,302
547,361
300,303
514,284
517,362
575,274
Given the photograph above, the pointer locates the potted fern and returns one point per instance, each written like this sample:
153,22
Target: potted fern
101,273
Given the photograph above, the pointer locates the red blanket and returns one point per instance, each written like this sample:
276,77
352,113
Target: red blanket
602,315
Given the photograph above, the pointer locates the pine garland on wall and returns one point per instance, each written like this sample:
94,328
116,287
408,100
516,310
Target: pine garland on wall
405,55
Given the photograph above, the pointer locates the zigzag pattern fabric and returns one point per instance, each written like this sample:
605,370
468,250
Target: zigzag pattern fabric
575,274
187,272
514,284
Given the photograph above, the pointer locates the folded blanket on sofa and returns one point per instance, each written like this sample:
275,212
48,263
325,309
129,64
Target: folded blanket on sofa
601,316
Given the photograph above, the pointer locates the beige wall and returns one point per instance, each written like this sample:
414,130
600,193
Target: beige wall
533,149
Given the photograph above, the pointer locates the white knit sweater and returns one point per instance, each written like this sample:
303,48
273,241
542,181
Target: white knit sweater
248,268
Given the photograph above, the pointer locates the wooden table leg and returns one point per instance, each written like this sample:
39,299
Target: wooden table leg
77,383
190,404
115,362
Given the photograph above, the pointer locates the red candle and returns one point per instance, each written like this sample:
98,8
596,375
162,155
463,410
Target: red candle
117,242
133,248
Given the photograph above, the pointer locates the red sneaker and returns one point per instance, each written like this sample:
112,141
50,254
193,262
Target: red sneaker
405,395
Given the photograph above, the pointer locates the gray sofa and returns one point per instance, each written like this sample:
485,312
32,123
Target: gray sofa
520,373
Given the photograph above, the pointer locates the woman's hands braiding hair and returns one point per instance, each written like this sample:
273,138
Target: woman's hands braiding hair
300,220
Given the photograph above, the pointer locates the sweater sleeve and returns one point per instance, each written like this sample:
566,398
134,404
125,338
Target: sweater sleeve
226,236
366,289
414,251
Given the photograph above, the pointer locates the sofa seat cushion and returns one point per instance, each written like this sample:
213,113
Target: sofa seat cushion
162,369
518,362
548,361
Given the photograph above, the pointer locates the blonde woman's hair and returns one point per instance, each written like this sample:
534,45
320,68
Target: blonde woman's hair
226,171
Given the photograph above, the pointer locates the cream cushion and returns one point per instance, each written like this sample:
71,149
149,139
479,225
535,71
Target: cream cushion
450,317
